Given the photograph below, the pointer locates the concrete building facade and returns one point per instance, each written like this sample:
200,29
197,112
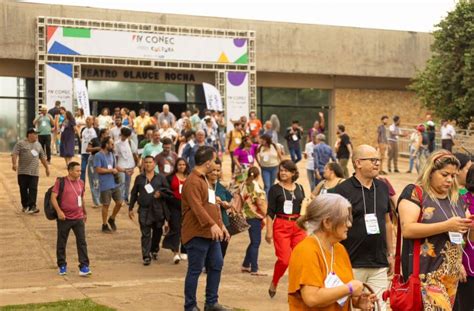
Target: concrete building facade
353,75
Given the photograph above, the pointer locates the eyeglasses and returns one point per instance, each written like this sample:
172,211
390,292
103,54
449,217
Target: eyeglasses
374,161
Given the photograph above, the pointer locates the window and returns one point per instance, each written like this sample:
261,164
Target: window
17,110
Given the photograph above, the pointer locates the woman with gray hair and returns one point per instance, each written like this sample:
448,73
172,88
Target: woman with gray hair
320,271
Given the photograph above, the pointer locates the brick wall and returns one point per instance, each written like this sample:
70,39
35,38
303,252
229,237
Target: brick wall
360,111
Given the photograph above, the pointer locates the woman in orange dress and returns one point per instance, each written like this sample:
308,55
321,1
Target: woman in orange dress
320,271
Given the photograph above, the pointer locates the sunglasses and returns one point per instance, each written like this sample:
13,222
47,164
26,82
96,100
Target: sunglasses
373,160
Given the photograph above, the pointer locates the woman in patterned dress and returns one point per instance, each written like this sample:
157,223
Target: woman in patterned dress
440,230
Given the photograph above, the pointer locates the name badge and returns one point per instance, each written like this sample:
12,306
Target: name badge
43,123
180,188
237,141
212,196
455,238
371,224
288,207
167,168
252,127
266,158
250,158
154,154
331,281
149,188
109,166
34,153
79,201
294,137
191,144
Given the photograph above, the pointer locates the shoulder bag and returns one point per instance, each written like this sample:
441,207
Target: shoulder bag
237,221
405,296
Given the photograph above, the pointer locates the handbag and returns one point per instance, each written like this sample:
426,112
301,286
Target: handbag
237,221
405,296
371,291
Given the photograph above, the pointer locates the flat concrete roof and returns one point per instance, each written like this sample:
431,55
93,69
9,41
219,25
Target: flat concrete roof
281,47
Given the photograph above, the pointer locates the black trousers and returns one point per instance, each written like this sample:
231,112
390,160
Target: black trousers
78,227
45,141
172,240
151,234
28,190
464,297
447,144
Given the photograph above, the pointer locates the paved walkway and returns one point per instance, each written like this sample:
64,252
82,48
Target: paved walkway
119,280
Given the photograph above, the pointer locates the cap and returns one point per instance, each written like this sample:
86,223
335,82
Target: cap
32,130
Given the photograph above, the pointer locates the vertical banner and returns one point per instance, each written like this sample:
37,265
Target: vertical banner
237,96
59,85
213,97
82,96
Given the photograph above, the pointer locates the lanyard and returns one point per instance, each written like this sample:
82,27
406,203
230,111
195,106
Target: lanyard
324,255
72,186
453,210
375,198
292,193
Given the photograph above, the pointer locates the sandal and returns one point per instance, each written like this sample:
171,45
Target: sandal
272,291
245,270
257,273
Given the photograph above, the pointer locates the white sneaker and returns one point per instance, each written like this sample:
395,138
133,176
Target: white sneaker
176,259
183,256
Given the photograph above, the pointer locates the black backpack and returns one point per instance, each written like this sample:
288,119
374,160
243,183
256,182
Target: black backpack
49,210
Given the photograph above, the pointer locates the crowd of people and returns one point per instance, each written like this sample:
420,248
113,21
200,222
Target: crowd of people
332,240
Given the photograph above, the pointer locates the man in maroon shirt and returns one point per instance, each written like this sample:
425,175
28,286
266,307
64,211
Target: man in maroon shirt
201,232
71,215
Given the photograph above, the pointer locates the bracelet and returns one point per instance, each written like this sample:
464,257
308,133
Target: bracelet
351,290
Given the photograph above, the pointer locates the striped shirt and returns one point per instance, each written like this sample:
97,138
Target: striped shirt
29,155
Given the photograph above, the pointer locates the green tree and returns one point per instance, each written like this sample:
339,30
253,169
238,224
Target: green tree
446,85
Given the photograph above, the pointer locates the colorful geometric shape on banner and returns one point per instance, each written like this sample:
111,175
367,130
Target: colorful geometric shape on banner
236,78
77,32
58,48
223,58
238,42
63,68
244,59
50,30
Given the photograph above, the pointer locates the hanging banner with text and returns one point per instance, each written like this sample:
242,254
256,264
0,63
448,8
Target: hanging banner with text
111,43
59,85
82,96
213,97
237,97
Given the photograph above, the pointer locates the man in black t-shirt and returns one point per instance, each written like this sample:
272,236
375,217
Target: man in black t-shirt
369,240
343,149
293,137
93,147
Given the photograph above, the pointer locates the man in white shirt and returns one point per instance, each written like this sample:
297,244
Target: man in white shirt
115,131
88,133
127,159
447,135
394,134
308,155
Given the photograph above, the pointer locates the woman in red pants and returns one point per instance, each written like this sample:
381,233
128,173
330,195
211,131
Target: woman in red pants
284,205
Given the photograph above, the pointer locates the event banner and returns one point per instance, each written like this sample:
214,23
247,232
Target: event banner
59,85
213,97
112,43
82,96
237,96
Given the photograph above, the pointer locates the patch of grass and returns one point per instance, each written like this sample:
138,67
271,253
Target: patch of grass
70,305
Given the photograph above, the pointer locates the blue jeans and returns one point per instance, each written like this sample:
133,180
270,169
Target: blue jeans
412,158
255,234
269,175
125,185
202,253
295,154
93,181
311,179
84,160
